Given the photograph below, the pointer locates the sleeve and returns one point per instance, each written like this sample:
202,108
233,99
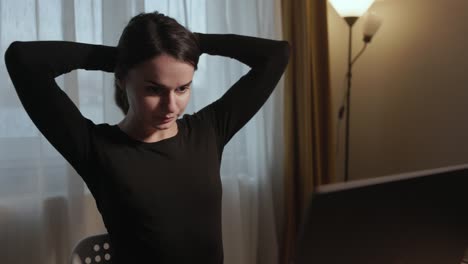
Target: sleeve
33,66
267,59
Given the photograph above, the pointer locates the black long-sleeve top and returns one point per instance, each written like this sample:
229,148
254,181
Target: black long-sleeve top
160,201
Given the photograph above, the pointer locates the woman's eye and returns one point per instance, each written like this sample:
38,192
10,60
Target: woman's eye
182,89
154,89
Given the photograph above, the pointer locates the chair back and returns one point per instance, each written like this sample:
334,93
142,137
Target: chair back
92,249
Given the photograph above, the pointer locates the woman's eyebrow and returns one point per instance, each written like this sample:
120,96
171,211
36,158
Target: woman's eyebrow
162,85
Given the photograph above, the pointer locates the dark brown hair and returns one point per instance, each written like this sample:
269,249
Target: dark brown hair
148,35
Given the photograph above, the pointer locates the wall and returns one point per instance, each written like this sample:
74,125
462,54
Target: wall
409,91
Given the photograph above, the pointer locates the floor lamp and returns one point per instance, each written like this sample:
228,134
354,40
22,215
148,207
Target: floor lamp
351,10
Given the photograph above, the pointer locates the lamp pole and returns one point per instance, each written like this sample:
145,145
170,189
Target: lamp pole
351,10
350,21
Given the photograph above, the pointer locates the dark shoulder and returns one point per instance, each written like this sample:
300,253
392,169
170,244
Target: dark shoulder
197,121
106,133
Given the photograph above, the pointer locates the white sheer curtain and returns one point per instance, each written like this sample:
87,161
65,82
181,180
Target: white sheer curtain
44,206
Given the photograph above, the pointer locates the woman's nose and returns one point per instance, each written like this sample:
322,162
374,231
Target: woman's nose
171,102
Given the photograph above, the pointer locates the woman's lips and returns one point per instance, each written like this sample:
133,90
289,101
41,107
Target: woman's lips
166,120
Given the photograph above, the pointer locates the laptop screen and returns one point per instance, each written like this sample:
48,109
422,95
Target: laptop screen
419,217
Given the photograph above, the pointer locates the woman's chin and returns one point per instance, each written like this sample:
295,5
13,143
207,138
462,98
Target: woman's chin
162,125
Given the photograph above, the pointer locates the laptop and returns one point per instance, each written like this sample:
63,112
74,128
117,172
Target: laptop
412,218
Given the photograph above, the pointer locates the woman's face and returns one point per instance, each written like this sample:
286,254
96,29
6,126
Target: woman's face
158,91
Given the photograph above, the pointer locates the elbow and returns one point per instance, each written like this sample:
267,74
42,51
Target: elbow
279,55
284,51
15,65
12,53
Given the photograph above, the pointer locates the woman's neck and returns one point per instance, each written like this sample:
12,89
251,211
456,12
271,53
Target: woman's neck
146,132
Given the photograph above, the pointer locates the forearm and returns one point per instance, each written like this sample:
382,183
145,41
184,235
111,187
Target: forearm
268,60
32,66
252,51
59,57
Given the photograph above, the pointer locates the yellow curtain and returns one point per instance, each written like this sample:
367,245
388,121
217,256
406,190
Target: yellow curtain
308,123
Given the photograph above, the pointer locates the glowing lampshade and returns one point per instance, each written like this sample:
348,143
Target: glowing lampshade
372,23
351,8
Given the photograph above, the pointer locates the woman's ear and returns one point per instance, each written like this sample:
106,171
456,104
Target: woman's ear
121,84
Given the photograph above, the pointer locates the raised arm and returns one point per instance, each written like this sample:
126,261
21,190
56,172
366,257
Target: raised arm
268,60
32,66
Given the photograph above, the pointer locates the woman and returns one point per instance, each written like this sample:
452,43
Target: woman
155,177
